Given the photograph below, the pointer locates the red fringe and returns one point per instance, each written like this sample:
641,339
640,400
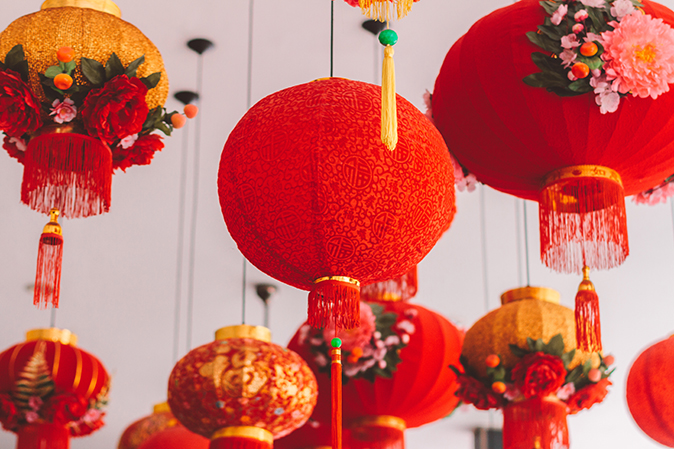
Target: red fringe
376,437
535,423
48,274
46,435
68,171
588,326
238,443
334,301
402,288
583,222
336,396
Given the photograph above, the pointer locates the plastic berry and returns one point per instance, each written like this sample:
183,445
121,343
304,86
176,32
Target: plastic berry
609,360
578,28
65,54
190,110
357,352
492,361
498,387
589,49
63,81
580,70
594,375
178,120
336,342
388,37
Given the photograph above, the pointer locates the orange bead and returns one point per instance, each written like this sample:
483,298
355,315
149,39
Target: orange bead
580,70
178,120
65,54
191,110
493,361
357,352
352,360
594,375
498,387
589,49
63,81
609,360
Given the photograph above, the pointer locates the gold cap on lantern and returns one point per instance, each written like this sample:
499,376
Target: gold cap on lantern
540,293
53,227
260,333
389,421
63,336
254,433
98,5
161,408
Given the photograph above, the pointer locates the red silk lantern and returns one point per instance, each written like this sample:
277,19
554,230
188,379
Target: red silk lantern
140,431
560,151
175,438
650,394
402,288
50,390
315,200
242,391
312,435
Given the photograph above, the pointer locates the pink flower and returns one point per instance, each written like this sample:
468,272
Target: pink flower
570,41
392,340
379,354
621,8
411,313
405,338
406,326
571,76
428,97
658,194
32,417
607,98
593,3
580,15
591,37
512,392
382,364
461,180
63,111
558,15
321,359
35,402
578,28
639,55
128,141
92,415
568,57
355,338
304,332
566,391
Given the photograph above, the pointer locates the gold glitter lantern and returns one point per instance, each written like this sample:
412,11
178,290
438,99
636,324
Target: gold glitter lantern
532,312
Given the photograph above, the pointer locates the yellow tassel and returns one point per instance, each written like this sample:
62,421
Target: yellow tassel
382,10
389,114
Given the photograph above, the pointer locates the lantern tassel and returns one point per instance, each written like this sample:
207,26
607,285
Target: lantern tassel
536,423
336,394
382,10
335,298
389,114
49,257
588,326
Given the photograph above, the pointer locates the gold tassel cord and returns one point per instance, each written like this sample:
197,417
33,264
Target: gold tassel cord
389,115
382,10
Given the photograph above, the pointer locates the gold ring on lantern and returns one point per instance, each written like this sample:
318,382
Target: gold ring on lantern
344,279
390,297
540,293
63,336
582,171
98,5
260,333
161,408
392,422
254,433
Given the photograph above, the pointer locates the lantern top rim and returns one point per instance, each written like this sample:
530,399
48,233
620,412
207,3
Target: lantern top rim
389,421
63,336
106,6
162,407
252,432
260,333
528,292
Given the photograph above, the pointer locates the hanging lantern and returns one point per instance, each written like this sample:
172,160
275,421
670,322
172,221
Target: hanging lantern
312,435
577,148
521,358
402,288
649,393
313,199
50,390
242,391
140,431
175,438
396,371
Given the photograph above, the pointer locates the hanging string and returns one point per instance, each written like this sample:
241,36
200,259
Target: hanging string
52,319
332,33
483,238
518,239
526,242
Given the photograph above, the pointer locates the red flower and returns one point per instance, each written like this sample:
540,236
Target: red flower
539,374
15,146
64,408
8,413
140,153
19,108
472,391
588,396
116,110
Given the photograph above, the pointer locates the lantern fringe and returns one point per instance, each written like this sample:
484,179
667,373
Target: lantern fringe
389,113
376,437
49,260
382,10
535,423
239,443
334,301
401,288
44,435
336,397
69,171
583,222
588,325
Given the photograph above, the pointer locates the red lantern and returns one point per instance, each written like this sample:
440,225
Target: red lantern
175,438
402,288
560,151
242,391
312,435
313,198
650,392
50,390
140,431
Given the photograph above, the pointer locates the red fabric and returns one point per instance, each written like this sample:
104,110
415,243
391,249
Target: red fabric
538,374
511,135
420,391
19,107
265,386
174,438
311,435
650,392
239,443
376,437
541,420
48,273
140,431
42,436
308,190
402,288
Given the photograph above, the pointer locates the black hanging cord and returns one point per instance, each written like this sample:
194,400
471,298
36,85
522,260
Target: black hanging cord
332,34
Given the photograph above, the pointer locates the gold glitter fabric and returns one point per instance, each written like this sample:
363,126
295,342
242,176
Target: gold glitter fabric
512,323
92,34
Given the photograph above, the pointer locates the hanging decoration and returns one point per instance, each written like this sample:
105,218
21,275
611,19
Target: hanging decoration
521,358
312,435
254,390
649,392
47,286
177,437
50,390
343,212
402,288
140,431
658,194
561,150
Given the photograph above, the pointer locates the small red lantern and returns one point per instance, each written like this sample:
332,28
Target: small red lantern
50,390
242,391
175,438
314,199
140,431
650,392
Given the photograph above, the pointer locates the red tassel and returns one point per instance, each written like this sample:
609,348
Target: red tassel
69,171
583,219
535,423
46,435
336,396
239,443
378,432
402,288
588,326
49,257
335,299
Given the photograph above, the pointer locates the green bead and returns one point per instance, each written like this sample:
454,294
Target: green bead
388,37
336,342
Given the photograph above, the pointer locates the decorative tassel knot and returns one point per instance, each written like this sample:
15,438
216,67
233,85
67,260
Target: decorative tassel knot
335,299
49,259
588,325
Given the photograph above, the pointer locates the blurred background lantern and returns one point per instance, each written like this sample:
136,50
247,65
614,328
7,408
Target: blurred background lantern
50,390
312,435
140,431
241,390
402,288
177,437
313,198
650,394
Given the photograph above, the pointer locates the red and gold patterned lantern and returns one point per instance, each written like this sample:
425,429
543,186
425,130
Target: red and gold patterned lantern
314,199
50,390
650,393
175,438
140,431
242,391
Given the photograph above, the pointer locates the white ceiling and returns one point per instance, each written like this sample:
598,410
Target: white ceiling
119,269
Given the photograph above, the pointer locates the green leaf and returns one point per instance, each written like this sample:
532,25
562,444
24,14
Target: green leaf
69,67
595,62
549,7
455,369
499,374
539,345
587,366
151,81
531,344
163,127
574,375
52,71
133,67
551,31
547,80
581,86
555,346
517,351
544,42
15,56
567,357
22,69
93,71
597,18
113,67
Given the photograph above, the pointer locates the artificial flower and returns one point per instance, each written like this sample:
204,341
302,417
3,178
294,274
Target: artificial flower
64,408
559,14
658,194
577,28
141,153
9,416
568,57
35,402
621,8
570,41
15,146
566,391
32,417
355,338
463,179
128,141
19,108
538,374
472,391
428,101
592,37
63,111
580,15
588,396
512,392
593,3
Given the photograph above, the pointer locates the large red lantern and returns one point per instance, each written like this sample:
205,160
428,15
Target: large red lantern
50,390
140,431
313,198
650,393
242,391
175,438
